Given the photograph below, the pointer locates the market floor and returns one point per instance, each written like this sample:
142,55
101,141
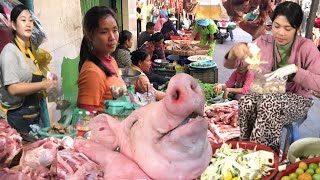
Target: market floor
310,127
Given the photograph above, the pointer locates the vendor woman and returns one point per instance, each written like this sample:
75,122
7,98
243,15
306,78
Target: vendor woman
98,69
141,61
23,81
262,116
206,28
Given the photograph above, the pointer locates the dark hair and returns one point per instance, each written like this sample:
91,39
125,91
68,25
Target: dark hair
16,11
90,24
157,37
150,25
138,55
124,36
292,11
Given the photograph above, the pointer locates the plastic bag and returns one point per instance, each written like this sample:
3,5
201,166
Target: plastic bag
261,86
208,9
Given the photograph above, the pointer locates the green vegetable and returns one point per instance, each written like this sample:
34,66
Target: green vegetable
208,90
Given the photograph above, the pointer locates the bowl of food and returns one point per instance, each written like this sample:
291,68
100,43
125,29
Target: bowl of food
58,131
241,160
129,74
197,58
305,169
162,62
303,149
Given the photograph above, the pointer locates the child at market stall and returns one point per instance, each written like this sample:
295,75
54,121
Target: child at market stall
262,116
238,83
141,61
98,69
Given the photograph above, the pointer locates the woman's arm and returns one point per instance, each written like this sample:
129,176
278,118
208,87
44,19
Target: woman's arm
247,83
236,54
308,73
25,89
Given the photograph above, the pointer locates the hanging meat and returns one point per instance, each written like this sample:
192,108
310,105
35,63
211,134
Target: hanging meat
237,8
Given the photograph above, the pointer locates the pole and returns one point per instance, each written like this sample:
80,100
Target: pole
312,17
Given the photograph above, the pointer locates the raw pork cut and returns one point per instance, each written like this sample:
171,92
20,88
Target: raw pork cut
75,165
10,143
37,156
53,158
7,174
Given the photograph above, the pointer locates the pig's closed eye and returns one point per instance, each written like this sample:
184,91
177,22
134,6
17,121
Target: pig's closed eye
133,123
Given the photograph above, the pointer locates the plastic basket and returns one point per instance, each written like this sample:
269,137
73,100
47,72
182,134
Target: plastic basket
209,75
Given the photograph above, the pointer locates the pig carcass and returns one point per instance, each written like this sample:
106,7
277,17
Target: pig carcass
237,8
167,139
10,143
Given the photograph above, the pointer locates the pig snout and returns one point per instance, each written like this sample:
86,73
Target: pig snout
184,96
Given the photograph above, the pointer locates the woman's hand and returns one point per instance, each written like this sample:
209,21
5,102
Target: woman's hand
226,93
48,84
218,89
316,93
240,51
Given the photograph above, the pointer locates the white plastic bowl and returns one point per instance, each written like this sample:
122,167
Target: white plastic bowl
303,147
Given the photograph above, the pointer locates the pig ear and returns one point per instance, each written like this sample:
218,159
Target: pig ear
104,130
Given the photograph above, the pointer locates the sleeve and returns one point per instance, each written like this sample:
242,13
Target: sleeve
196,28
212,27
248,82
123,57
149,48
308,74
90,87
10,65
232,79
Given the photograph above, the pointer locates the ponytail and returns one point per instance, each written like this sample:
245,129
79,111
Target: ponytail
86,54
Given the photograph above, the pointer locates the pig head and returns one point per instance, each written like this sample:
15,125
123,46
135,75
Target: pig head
167,139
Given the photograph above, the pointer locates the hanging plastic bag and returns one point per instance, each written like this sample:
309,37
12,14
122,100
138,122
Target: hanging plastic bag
208,9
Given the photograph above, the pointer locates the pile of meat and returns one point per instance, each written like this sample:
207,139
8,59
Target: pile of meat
182,45
10,143
223,121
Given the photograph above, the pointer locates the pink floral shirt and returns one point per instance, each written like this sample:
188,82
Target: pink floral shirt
238,80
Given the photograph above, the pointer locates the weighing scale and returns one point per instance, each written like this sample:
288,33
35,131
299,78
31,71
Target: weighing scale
125,104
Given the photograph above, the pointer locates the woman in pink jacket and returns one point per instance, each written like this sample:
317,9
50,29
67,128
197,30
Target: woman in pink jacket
262,116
